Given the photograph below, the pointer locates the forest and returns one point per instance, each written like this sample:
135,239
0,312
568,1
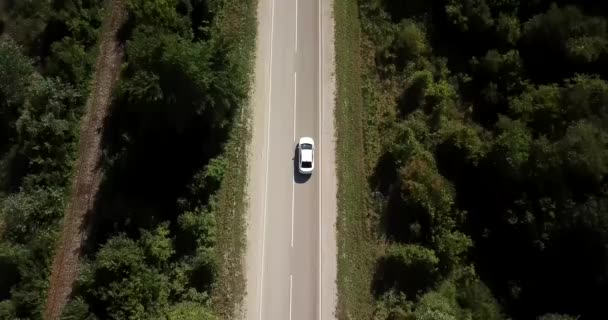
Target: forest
485,125
175,126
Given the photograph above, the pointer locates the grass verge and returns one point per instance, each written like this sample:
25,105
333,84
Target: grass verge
356,242
238,23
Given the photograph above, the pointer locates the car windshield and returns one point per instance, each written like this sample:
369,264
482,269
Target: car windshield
306,146
306,164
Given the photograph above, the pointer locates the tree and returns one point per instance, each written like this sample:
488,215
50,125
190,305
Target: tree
31,263
512,146
123,285
207,181
469,15
408,268
456,136
451,247
7,310
586,97
503,68
411,40
495,76
538,106
424,188
188,311
157,245
438,306
581,38
495,161
415,93
30,18
16,73
174,76
27,214
508,28
461,296
161,13
70,62
393,306
82,19
198,228
585,153
474,296
47,130
77,309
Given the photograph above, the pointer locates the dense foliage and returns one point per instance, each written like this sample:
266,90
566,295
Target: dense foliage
488,139
46,54
152,249
152,253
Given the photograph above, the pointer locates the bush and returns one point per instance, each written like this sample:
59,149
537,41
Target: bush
407,268
27,214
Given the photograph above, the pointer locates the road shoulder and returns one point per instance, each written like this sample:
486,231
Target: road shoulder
256,160
329,181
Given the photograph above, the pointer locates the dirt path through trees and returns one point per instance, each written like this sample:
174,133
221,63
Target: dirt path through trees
88,174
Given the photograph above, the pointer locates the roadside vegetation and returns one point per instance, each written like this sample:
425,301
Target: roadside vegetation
355,240
47,51
168,230
169,221
485,133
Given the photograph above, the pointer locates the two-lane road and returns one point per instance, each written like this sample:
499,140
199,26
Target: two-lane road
284,260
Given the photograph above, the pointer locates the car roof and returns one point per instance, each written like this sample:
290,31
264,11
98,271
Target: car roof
307,140
307,155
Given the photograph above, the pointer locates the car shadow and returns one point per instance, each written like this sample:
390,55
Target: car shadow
297,176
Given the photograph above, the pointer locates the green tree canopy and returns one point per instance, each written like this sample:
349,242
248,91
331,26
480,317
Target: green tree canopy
580,37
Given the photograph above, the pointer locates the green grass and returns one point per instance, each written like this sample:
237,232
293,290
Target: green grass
236,23
356,242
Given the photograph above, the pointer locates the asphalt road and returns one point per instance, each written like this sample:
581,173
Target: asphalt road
284,263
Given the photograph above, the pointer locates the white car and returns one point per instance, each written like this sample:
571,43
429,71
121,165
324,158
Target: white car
306,148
